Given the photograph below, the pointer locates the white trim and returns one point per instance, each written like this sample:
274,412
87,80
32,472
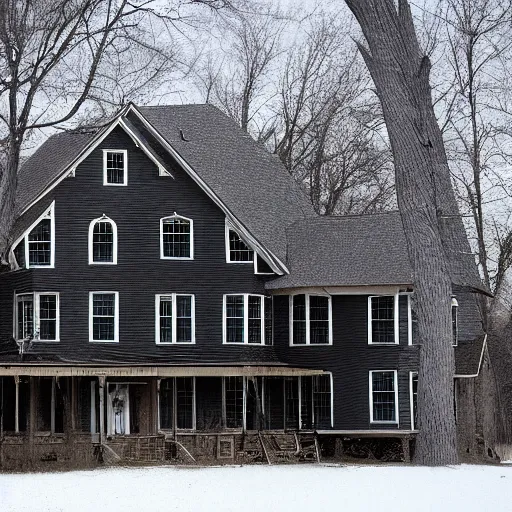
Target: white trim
174,319
341,290
396,331
123,152
227,229
256,272
49,213
191,224
411,398
103,218
36,312
308,329
116,317
455,306
370,390
409,320
162,171
246,318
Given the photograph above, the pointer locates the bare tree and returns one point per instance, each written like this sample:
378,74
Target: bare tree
59,57
433,227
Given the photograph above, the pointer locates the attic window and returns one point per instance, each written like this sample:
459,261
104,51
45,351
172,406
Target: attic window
237,250
115,167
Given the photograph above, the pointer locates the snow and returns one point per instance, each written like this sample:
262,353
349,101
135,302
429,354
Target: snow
298,488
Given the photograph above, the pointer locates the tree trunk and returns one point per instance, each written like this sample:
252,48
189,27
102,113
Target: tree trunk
8,180
433,227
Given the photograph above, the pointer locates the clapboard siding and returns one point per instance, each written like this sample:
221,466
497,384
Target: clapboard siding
350,358
140,273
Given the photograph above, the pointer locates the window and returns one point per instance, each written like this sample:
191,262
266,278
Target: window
104,316
103,241
383,320
36,249
261,267
233,402
49,405
115,167
37,316
310,318
247,319
455,323
176,238
15,403
175,318
413,392
383,396
237,251
182,392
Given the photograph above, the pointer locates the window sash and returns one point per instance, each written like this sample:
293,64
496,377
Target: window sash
310,320
37,316
104,317
103,242
383,312
175,318
245,319
383,396
237,251
115,167
176,238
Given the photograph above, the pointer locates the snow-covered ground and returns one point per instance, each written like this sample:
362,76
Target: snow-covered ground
311,488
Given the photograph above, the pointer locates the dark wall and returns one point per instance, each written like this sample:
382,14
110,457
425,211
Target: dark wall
140,273
350,359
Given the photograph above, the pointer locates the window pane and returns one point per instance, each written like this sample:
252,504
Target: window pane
291,393
184,402
299,319
184,318
39,244
47,317
383,324
235,318
25,328
115,168
319,319
166,403
383,389
166,319
254,319
103,316
103,242
234,393
238,249
176,238
322,401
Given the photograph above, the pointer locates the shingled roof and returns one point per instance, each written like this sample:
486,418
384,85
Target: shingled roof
353,250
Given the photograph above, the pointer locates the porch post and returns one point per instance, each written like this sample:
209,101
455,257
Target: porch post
101,381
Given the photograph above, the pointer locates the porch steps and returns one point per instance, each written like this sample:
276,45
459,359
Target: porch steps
290,447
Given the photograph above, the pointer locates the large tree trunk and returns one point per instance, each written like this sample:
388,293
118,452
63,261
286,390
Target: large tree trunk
433,227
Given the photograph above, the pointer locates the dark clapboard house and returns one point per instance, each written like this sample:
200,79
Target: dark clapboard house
172,295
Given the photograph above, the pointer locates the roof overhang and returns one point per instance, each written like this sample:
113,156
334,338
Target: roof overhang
37,370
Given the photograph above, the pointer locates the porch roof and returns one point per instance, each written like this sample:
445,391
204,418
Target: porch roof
155,371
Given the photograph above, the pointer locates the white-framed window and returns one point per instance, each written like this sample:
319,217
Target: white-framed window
383,396
310,320
176,238
115,167
247,319
37,316
383,320
237,250
413,396
455,322
104,316
103,241
36,249
174,318
261,267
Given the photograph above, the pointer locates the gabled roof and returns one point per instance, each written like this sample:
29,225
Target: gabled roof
352,250
251,183
249,180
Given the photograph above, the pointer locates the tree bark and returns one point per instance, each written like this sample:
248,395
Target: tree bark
433,227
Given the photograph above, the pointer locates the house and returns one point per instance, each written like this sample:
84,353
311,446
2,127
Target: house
172,295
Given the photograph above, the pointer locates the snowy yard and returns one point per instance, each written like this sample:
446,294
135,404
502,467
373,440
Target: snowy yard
257,488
